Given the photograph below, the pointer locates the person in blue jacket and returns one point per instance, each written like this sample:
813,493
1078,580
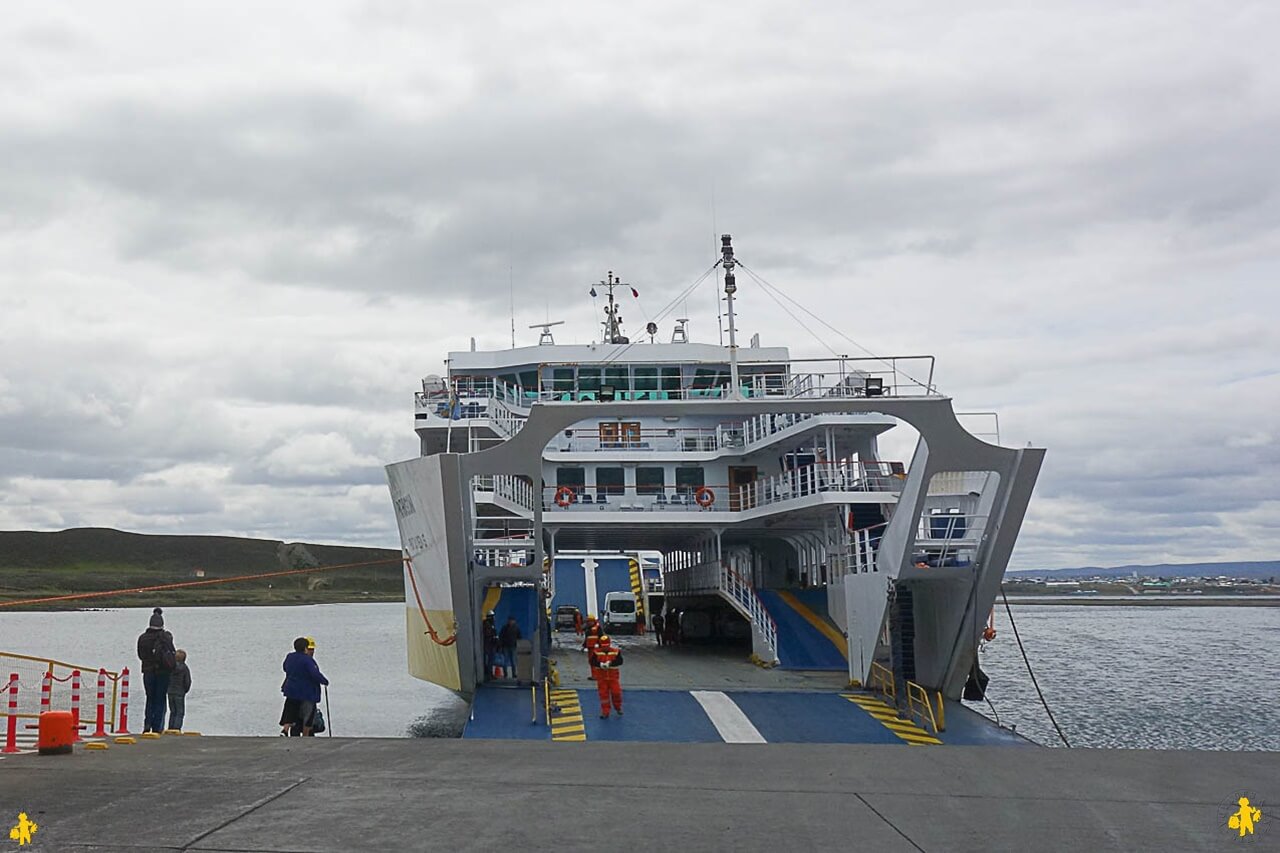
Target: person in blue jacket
301,689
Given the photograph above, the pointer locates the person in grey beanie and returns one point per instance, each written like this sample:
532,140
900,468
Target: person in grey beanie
158,656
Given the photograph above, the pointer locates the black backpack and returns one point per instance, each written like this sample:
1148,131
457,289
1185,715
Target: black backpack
162,653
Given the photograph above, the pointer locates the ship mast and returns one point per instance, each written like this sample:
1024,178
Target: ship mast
730,288
612,319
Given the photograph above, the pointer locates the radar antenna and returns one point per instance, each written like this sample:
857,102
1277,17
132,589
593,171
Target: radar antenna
545,339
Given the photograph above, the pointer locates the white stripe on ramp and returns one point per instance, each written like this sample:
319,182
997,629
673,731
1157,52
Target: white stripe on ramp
727,717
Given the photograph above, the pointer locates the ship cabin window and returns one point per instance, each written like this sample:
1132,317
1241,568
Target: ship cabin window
610,481
529,382
562,382
620,379
709,382
689,479
617,434
650,481
647,383
588,383
670,380
574,478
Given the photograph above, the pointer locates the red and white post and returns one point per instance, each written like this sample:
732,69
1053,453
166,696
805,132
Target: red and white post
75,706
100,729
46,692
11,736
123,727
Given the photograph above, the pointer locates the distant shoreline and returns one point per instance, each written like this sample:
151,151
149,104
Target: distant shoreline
1149,600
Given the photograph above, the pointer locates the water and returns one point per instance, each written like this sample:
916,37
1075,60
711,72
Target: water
1143,676
1154,677
235,655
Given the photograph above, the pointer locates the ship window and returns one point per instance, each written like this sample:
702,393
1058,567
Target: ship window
588,383
610,481
650,481
619,378
689,479
647,380
707,378
574,478
670,379
562,379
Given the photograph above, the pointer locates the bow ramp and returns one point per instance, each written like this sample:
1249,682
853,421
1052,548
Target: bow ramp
807,639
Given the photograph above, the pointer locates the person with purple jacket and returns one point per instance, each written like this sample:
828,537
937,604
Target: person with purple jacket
301,689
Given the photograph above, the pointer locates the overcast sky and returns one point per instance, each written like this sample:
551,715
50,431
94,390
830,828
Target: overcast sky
233,237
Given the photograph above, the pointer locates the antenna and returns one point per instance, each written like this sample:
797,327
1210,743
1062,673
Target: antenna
546,339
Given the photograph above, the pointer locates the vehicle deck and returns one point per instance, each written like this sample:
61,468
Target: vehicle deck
711,694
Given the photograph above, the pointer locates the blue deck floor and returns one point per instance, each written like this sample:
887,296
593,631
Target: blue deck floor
675,716
800,644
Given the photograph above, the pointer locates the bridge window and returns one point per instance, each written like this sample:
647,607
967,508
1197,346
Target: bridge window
588,383
619,378
646,383
650,481
562,379
610,481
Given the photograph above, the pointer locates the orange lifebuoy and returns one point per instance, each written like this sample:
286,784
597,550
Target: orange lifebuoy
704,497
989,633
564,496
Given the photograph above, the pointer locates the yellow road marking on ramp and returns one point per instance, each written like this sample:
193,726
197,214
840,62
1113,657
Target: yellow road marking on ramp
566,716
905,730
836,638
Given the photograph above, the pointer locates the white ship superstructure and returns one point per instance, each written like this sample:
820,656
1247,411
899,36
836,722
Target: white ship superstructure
755,474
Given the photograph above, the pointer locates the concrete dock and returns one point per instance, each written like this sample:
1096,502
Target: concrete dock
321,795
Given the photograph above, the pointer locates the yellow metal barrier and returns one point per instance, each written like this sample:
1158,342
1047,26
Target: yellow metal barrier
31,671
882,680
920,706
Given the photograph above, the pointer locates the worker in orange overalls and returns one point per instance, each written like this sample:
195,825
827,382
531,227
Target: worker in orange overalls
589,643
606,658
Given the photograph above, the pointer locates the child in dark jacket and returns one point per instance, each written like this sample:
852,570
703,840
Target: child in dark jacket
179,687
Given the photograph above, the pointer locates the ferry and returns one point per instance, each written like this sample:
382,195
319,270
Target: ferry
821,592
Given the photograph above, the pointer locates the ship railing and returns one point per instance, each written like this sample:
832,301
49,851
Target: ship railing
947,539
890,376
675,440
882,681
920,707
859,556
517,490
820,478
